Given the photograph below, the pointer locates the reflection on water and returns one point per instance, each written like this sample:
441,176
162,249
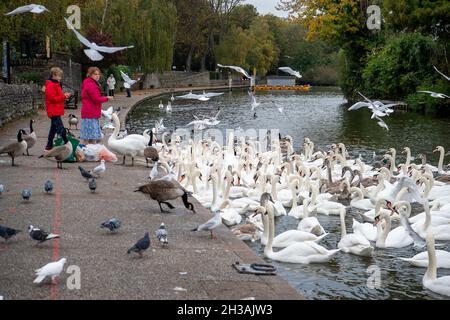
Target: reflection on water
322,116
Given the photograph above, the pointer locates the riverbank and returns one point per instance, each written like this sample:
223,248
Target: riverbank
192,266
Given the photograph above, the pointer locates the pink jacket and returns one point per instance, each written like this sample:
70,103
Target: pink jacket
91,99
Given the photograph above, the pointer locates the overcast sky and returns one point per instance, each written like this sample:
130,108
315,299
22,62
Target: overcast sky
267,6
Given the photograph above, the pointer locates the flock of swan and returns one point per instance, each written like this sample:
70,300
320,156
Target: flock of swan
250,187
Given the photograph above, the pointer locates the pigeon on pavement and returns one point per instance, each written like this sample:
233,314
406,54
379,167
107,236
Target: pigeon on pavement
7,233
140,246
112,224
161,234
52,269
40,235
26,194
48,186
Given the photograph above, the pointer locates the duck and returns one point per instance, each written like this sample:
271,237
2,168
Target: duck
430,280
15,149
30,138
299,252
353,243
126,146
60,153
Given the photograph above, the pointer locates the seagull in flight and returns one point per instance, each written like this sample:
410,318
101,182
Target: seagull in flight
290,71
33,8
435,94
254,103
127,79
378,108
94,50
238,69
446,77
381,123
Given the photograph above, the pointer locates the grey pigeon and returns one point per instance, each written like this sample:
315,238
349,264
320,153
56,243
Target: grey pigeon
211,224
26,194
161,234
40,235
140,246
92,185
85,173
48,186
112,224
7,233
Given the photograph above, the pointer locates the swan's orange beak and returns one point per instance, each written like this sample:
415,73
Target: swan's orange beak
182,177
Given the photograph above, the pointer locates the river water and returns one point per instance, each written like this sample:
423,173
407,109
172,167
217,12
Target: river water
322,115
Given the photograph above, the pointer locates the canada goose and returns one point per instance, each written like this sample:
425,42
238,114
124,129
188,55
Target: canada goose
30,138
163,190
15,149
73,121
60,153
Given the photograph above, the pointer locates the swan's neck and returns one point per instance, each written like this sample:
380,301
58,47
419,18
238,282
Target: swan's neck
116,127
274,189
441,160
431,270
294,194
408,157
343,228
268,250
214,202
359,193
330,179
305,208
427,222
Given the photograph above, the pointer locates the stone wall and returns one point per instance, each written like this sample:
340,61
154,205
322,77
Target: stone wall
176,79
17,101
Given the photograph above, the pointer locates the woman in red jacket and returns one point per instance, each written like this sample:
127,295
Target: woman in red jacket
54,103
91,108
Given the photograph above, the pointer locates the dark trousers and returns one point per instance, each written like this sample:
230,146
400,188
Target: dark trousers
56,127
128,93
111,92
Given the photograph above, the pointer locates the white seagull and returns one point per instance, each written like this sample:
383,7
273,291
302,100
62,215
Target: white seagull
33,8
238,69
435,94
290,71
127,79
446,77
254,103
93,51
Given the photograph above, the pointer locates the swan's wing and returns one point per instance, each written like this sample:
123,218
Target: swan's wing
109,49
446,77
125,77
418,241
82,39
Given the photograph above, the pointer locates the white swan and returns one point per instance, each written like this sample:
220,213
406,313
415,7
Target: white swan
299,252
421,259
430,280
359,202
310,224
397,238
124,146
353,243
367,230
439,226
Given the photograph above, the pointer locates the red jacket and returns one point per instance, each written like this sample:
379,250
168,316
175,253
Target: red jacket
54,98
91,99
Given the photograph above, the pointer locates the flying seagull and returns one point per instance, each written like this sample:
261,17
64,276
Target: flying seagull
446,77
127,79
290,71
93,51
435,94
33,8
238,69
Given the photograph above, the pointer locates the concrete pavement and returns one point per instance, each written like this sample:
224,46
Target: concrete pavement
192,266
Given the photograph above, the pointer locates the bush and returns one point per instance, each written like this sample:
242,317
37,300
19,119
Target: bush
403,65
34,77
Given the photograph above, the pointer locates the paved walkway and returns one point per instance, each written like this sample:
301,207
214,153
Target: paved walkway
192,267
